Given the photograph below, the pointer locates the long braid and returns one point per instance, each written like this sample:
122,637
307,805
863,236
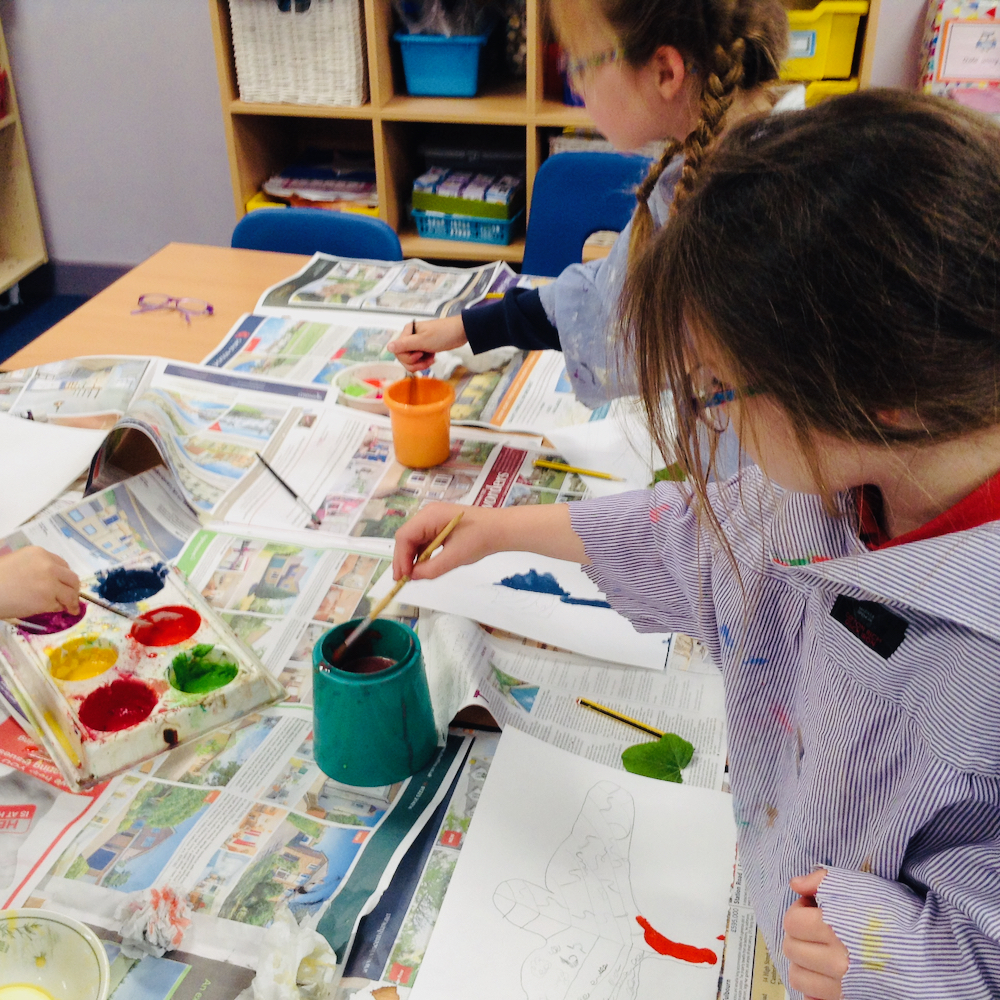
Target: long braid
717,96
642,220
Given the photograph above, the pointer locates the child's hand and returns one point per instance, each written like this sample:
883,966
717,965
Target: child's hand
818,958
415,351
33,581
475,536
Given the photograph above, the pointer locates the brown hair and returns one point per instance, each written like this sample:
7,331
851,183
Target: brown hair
731,44
865,276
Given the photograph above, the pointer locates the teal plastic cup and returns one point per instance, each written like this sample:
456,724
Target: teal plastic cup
372,726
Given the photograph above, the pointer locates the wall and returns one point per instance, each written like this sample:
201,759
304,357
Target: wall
121,112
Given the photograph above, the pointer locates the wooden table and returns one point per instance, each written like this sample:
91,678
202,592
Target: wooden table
231,280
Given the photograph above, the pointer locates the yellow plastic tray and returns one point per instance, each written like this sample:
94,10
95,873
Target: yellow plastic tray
822,40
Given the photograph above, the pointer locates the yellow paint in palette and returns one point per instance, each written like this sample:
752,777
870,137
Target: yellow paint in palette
81,659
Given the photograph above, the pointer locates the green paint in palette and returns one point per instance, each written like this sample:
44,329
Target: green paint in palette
202,669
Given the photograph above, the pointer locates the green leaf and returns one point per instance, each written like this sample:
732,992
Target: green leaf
673,473
663,759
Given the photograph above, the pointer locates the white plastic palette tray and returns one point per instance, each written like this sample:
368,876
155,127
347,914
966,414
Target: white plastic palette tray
105,695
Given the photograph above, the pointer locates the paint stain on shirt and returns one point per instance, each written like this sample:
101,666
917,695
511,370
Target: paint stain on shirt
874,956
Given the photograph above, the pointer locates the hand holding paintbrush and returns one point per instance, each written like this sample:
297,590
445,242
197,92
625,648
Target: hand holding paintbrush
435,544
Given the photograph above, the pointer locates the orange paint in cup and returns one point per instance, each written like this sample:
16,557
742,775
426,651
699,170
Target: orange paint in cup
420,409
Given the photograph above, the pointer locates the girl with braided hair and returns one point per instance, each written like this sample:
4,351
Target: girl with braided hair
846,582
676,70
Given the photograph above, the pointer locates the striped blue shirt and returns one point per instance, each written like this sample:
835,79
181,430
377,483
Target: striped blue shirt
863,701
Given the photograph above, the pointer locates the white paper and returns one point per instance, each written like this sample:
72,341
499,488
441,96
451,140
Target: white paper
39,460
476,592
562,859
619,444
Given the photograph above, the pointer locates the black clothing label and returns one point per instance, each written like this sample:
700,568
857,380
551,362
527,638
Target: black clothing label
875,625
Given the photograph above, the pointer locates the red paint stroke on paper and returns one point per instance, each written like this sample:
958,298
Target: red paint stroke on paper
664,946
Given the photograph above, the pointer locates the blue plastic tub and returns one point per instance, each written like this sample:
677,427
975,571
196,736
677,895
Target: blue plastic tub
466,228
438,66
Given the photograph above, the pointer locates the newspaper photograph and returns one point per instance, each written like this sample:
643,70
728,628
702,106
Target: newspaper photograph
411,287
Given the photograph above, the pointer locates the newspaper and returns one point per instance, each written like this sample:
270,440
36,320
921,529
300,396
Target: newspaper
305,348
410,287
242,820
91,392
280,596
391,940
143,514
536,690
330,315
38,813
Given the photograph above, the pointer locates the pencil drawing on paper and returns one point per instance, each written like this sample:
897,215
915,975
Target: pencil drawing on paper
595,939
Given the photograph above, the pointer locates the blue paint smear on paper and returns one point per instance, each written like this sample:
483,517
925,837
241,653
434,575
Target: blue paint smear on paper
585,601
539,583
546,583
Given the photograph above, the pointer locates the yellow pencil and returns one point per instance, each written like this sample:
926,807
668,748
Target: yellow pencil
612,714
494,295
543,463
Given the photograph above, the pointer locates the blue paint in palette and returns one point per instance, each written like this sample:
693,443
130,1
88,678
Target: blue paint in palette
127,586
546,583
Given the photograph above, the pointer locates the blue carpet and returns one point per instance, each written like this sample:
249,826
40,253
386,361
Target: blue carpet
21,325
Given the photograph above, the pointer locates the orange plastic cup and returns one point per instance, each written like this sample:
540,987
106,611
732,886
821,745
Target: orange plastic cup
420,409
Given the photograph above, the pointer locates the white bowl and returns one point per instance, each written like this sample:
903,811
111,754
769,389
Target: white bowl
384,372
57,955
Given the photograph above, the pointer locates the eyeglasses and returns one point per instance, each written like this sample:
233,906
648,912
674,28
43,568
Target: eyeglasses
708,402
575,68
185,306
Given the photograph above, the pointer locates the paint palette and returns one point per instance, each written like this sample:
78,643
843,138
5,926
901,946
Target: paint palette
105,693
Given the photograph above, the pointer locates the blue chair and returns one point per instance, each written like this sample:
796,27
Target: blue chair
576,194
308,230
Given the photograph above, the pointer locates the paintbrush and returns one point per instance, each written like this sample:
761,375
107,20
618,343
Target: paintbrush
21,623
97,602
411,377
384,603
312,516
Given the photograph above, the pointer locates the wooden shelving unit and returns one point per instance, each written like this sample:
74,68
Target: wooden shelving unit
22,245
263,138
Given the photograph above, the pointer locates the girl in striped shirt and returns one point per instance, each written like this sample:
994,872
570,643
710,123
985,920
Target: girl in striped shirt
847,582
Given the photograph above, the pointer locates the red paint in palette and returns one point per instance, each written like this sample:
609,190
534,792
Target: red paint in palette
166,626
117,706
664,946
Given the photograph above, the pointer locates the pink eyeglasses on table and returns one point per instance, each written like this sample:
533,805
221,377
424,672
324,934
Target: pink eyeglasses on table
185,306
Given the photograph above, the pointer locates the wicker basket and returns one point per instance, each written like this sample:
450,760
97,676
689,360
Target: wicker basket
316,56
